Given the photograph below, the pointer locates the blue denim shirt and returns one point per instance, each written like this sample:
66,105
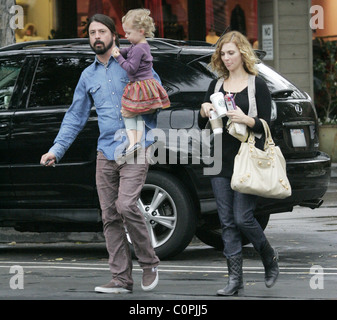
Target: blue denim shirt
103,87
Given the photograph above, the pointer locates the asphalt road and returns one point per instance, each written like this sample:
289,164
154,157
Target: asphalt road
66,267
304,238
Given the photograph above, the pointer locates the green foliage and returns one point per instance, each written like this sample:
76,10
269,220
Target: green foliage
325,71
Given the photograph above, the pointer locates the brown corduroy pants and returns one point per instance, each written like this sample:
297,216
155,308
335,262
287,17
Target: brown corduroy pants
119,188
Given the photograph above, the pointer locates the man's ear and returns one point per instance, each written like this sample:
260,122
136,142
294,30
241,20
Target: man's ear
114,40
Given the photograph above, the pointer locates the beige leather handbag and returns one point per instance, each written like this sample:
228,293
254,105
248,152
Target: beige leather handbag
261,172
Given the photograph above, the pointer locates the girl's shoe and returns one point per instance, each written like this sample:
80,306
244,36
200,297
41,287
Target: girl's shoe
132,152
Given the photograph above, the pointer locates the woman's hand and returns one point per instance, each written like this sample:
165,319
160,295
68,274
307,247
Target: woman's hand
205,109
238,116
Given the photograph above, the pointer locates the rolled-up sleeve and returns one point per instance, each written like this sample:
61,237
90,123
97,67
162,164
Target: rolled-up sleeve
74,120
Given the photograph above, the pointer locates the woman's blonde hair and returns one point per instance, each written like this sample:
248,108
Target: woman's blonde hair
248,56
140,19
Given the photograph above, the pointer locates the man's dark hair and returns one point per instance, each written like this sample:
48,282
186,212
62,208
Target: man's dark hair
107,21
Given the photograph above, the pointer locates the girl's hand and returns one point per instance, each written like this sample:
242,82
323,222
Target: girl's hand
205,109
115,52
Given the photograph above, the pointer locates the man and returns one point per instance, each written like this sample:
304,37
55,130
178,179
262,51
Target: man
118,184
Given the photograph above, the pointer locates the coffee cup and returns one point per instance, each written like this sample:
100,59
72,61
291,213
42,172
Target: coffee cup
216,122
218,102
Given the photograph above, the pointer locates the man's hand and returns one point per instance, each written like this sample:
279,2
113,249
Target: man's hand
48,159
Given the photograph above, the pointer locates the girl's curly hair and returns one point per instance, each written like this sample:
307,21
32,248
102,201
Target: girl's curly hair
140,19
249,58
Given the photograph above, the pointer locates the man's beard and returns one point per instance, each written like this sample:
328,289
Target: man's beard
103,49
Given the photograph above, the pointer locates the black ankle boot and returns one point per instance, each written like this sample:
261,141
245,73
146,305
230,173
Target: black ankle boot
235,279
269,259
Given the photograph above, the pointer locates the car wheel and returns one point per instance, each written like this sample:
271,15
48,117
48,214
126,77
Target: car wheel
212,237
169,213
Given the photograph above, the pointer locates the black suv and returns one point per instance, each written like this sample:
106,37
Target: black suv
37,81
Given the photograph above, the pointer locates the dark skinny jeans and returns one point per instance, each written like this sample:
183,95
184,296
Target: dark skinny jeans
236,213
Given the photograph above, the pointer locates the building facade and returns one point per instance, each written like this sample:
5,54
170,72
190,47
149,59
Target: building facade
285,34
280,27
175,19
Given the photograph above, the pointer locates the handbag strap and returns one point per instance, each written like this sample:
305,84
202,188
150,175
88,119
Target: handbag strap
252,112
219,84
269,142
268,139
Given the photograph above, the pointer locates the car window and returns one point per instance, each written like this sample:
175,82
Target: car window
55,80
9,72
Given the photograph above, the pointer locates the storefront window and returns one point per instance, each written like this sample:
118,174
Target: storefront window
38,20
170,16
174,19
323,19
237,15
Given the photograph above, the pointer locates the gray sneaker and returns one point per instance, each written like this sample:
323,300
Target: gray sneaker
150,278
113,287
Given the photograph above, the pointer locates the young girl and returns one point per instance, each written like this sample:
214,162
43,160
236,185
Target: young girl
143,94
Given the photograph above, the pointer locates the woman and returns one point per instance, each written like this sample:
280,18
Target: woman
234,60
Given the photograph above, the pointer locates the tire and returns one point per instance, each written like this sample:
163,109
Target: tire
169,213
212,236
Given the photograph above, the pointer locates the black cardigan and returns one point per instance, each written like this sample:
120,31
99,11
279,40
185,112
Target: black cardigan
231,145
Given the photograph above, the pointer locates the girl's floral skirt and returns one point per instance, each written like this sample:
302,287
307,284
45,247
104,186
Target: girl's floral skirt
144,95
